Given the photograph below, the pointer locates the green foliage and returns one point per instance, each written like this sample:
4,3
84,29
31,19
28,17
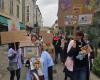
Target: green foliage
96,66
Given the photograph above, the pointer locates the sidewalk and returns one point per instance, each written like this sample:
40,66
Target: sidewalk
4,74
94,77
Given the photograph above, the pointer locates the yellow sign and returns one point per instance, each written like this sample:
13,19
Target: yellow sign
91,4
77,9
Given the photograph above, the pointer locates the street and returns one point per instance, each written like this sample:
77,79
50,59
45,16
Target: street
4,74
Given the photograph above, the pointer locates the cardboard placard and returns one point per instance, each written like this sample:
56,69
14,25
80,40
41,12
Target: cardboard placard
11,37
31,51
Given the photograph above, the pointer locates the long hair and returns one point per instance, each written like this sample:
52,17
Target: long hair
14,46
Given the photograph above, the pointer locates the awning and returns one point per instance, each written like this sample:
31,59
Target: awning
3,21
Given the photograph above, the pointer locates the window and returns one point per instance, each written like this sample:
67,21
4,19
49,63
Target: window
27,13
11,7
1,4
17,11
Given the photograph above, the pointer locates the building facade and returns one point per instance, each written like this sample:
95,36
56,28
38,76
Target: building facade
29,13
73,7
38,16
21,12
10,10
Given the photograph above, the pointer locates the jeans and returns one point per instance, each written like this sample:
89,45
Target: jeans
80,74
58,51
50,73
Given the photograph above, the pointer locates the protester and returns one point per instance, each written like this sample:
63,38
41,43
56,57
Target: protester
51,50
57,46
47,63
33,63
78,57
34,69
64,57
90,56
15,60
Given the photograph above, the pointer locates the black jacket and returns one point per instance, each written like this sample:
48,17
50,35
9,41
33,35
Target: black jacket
74,52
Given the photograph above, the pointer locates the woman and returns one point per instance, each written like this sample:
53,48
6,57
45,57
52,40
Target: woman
15,60
64,57
79,57
90,56
47,62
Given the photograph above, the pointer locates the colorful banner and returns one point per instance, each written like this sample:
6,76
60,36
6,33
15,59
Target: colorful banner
66,4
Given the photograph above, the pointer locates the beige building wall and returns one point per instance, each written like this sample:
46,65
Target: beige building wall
6,11
39,17
30,22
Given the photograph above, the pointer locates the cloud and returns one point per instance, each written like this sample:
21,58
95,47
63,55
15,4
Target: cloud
49,10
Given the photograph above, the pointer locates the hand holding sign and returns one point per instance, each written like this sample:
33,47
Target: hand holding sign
86,49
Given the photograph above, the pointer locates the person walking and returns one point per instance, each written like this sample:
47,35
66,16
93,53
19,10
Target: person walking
57,46
47,62
64,57
90,56
15,60
79,56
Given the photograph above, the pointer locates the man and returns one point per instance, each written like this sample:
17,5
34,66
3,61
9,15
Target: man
57,46
90,56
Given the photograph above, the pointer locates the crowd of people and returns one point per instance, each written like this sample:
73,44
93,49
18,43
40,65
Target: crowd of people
76,54
42,69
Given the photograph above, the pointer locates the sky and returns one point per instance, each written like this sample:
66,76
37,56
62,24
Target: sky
49,9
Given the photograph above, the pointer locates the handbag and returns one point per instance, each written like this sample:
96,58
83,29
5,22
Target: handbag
69,64
12,66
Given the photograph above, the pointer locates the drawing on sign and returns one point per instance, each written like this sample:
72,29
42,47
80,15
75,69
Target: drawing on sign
13,26
70,20
77,10
85,19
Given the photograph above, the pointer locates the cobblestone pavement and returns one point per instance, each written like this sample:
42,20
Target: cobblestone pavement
60,75
4,74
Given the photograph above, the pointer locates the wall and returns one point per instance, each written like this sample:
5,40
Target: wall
6,11
30,4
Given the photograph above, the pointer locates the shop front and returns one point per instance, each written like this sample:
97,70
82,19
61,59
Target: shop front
4,24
